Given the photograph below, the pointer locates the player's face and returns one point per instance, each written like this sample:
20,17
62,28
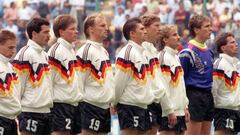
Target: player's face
8,49
140,33
205,31
231,48
70,34
43,36
153,31
100,28
173,40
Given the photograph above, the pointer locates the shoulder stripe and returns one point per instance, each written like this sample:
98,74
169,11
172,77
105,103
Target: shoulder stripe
216,63
22,53
85,51
161,57
127,53
52,54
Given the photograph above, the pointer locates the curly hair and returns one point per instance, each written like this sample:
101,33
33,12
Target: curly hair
165,32
147,20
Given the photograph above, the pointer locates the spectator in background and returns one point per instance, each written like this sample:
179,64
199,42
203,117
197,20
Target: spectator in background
11,13
184,38
198,7
215,23
130,10
118,21
225,17
174,6
26,12
54,9
65,7
143,11
43,10
11,26
78,11
118,3
220,6
188,8
164,10
22,41
152,6
180,17
211,5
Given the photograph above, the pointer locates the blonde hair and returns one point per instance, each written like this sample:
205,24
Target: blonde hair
90,22
165,32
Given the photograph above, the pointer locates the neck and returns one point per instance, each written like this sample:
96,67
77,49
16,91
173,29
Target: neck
150,40
36,41
138,42
200,40
95,39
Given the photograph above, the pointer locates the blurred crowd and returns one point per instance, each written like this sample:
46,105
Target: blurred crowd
225,15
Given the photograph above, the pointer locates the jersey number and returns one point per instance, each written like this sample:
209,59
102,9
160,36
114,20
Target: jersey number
150,115
68,123
135,121
94,124
31,125
229,123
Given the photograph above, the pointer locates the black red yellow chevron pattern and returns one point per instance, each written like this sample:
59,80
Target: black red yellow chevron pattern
98,75
7,85
66,74
154,64
175,76
230,83
35,77
128,66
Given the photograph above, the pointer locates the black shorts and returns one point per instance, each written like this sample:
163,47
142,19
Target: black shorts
155,113
201,105
95,118
179,127
8,126
133,117
227,119
76,124
62,117
36,123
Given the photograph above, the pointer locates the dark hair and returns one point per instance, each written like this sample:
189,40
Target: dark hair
147,20
221,40
6,35
90,22
196,22
62,22
35,25
129,26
